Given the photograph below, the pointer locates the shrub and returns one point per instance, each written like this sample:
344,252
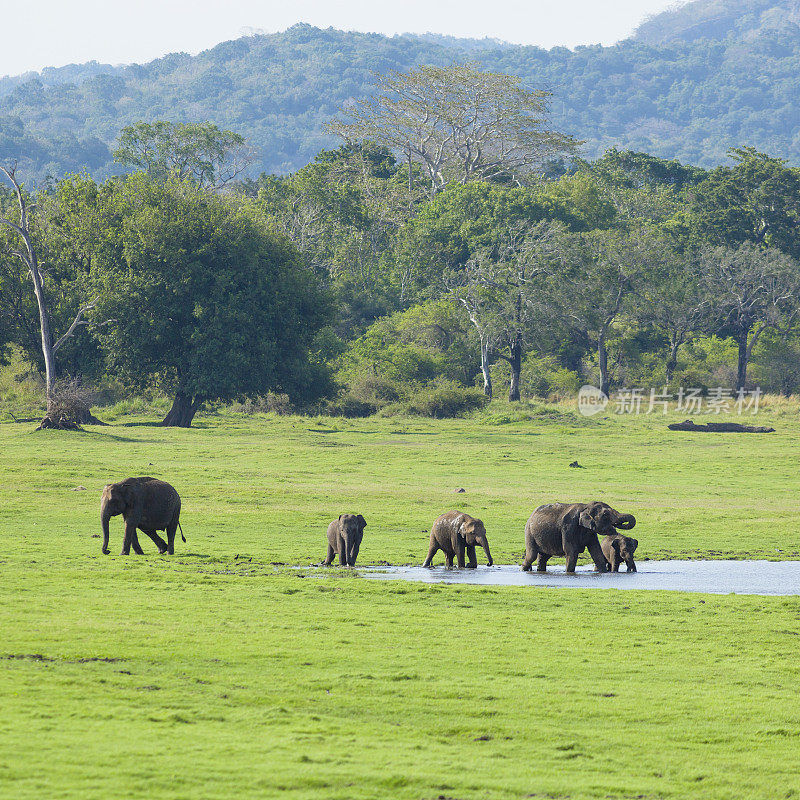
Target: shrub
445,401
545,377
263,404
347,405
375,389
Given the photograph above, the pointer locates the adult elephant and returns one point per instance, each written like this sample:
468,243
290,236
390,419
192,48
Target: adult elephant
455,534
344,538
567,529
147,504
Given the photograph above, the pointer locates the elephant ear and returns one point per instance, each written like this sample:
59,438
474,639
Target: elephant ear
128,493
582,517
362,523
615,543
632,544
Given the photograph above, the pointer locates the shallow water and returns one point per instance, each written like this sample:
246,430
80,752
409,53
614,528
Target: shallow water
712,577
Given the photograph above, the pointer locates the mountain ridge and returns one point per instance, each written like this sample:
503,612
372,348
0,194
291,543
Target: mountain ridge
689,100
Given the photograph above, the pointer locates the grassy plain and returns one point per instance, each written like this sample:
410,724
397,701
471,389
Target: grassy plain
222,672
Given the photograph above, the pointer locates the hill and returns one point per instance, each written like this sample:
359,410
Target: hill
721,19
689,100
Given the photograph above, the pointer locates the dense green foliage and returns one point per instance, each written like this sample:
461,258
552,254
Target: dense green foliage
192,294
217,673
689,100
346,281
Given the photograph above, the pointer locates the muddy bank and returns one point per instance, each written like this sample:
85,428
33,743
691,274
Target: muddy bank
712,577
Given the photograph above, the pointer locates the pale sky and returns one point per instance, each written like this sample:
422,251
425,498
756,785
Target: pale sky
40,33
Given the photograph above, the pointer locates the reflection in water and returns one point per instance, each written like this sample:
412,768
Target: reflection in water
712,577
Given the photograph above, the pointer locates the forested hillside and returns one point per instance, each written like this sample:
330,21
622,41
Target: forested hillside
667,91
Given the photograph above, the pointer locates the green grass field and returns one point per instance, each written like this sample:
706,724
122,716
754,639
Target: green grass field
223,672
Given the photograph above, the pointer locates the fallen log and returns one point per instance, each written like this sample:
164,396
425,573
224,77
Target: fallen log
718,427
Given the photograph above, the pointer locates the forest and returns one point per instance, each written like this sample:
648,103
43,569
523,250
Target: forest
492,260
733,81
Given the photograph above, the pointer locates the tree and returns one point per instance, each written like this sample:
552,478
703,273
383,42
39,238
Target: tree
589,293
28,256
458,123
198,151
673,298
756,200
343,212
499,288
752,289
206,302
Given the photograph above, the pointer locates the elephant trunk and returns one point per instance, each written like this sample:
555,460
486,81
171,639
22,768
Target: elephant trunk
486,550
105,517
348,548
625,522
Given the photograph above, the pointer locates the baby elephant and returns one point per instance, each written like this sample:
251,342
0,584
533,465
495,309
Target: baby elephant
344,538
456,532
147,504
618,548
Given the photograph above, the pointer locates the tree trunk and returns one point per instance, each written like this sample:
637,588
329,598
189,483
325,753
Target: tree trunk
602,357
515,360
182,412
485,368
672,360
744,357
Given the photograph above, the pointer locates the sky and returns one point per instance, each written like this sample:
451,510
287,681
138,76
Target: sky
42,33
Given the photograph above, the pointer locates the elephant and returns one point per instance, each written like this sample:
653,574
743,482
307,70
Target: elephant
567,529
618,548
344,538
454,533
145,503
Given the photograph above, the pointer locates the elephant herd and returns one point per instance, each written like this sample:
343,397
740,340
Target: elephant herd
556,529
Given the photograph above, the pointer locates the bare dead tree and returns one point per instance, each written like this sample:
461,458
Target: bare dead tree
457,123
27,255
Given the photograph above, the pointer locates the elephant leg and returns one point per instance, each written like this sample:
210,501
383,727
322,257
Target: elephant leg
615,565
472,560
172,529
342,554
130,535
448,560
354,555
530,555
329,558
631,566
137,548
541,562
431,553
572,560
460,556
157,540
598,556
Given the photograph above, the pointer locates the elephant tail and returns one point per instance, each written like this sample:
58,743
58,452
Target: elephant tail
182,536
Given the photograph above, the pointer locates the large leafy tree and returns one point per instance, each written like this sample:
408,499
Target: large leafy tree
751,289
458,124
204,300
199,151
590,292
755,200
500,288
343,212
